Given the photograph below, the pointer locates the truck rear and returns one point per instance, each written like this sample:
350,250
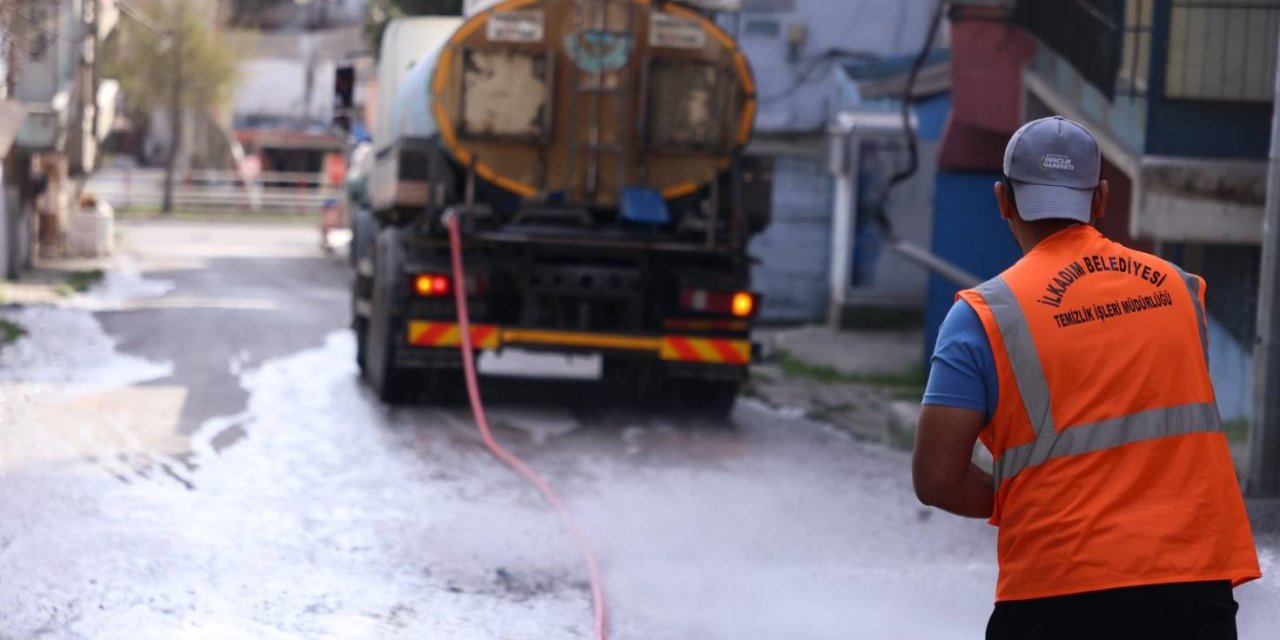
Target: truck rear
592,151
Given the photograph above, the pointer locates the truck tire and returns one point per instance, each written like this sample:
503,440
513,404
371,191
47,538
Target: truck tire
389,383
364,235
360,327
709,399
364,230
646,383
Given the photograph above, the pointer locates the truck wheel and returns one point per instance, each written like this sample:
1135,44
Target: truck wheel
391,384
710,399
363,231
364,235
360,327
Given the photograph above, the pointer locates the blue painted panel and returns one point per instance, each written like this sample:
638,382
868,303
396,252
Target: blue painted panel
968,231
795,249
643,205
1209,129
1231,367
931,116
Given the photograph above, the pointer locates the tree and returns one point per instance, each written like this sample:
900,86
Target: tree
169,56
380,12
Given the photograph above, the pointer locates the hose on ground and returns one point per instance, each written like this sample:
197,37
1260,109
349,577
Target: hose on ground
557,503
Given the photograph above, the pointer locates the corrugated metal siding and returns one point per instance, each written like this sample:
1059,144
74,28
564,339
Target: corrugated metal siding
1231,367
795,249
1231,274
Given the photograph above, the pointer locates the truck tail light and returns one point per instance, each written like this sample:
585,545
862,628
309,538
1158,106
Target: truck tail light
740,304
432,285
440,285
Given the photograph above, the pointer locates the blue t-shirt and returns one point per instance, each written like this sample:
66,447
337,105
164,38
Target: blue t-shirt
964,369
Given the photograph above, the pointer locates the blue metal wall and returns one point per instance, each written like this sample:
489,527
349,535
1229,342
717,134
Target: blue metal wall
795,250
1202,129
967,230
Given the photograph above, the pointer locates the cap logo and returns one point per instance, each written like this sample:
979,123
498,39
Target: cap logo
1056,161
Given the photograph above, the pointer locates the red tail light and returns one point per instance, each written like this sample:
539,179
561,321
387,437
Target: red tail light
740,304
440,285
432,285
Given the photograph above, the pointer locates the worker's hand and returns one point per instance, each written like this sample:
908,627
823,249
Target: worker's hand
941,466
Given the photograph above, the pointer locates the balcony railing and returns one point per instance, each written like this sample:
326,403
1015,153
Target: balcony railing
1222,50
1088,33
1200,50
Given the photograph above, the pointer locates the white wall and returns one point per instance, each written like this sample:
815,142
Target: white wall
883,28
274,74
279,86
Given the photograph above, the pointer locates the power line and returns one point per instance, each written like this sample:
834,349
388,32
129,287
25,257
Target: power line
913,143
816,63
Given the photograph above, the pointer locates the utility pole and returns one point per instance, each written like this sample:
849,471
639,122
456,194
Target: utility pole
94,69
1263,479
175,105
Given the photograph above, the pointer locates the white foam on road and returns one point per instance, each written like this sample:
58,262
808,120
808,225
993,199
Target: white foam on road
123,286
68,346
334,517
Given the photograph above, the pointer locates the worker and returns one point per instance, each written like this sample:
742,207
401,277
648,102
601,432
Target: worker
1083,369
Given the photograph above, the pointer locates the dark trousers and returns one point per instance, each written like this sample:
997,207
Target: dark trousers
1190,610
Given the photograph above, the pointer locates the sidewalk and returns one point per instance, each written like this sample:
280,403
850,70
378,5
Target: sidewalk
49,283
866,382
870,383
53,280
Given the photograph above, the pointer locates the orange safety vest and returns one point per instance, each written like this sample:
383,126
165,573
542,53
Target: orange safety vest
1111,468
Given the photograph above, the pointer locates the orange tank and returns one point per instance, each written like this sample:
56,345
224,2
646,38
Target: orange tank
579,99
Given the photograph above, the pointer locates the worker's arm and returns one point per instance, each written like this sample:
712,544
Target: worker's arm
941,466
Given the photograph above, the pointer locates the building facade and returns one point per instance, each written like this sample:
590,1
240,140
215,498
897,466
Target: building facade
813,61
1178,93
52,79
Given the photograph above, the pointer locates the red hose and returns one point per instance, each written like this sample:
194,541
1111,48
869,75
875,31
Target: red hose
482,422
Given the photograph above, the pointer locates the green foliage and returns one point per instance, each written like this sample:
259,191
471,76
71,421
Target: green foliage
829,412
1237,430
906,384
146,59
380,12
10,331
81,281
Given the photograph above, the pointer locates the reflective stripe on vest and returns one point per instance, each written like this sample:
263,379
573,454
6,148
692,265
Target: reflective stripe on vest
1085,438
1193,287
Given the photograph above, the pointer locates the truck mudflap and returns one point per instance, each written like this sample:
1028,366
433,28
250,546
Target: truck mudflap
670,348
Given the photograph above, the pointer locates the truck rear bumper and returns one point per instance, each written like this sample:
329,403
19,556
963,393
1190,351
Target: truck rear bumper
669,348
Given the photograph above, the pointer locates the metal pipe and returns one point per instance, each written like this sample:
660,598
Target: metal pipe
936,264
1262,476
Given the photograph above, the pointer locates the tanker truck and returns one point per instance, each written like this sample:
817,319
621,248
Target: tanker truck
592,153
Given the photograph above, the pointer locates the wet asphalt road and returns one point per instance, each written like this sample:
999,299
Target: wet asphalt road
187,453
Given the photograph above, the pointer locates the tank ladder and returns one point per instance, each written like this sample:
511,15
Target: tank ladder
592,29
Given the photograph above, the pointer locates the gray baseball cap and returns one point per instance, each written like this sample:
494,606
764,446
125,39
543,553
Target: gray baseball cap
1054,164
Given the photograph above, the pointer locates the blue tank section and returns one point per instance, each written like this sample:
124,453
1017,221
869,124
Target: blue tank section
413,115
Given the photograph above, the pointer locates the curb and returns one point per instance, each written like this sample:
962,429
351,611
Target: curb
1264,515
